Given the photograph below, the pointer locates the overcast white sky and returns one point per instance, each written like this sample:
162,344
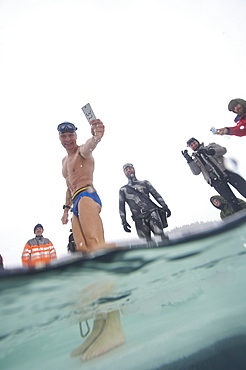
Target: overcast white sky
155,72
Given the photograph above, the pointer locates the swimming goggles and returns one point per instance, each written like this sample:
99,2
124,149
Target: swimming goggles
66,127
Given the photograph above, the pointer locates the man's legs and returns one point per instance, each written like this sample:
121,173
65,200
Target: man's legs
156,225
78,235
90,223
98,326
107,333
111,336
237,181
225,191
143,229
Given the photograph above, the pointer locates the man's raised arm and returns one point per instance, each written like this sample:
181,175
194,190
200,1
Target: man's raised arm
97,130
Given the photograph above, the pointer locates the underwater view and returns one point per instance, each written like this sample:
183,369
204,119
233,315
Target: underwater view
179,305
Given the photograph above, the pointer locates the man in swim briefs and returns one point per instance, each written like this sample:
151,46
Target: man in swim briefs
78,168
81,196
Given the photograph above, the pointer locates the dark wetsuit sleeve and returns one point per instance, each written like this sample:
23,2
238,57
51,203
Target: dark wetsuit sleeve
155,194
122,207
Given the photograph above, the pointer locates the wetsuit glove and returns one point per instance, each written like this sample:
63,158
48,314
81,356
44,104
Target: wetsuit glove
206,151
187,156
168,212
210,151
127,227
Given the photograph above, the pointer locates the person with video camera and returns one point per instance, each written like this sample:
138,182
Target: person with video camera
209,161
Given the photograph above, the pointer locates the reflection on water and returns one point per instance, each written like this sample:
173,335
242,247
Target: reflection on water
174,307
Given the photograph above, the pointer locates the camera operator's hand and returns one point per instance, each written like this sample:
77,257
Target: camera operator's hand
127,227
223,131
206,151
187,156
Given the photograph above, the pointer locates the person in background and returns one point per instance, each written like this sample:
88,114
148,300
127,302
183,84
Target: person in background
209,161
71,247
145,213
224,207
237,106
39,251
1,262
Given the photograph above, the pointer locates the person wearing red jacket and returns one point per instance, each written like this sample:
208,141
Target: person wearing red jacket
39,251
237,106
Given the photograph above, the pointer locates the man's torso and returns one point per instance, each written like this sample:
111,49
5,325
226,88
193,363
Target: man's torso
77,171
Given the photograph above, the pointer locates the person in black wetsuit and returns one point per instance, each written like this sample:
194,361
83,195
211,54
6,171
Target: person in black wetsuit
148,217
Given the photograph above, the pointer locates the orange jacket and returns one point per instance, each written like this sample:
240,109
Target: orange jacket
38,251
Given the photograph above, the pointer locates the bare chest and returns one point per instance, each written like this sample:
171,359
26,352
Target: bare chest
77,171
71,164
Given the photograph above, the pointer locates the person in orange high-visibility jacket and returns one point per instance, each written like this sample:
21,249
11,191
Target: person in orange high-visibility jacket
38,251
